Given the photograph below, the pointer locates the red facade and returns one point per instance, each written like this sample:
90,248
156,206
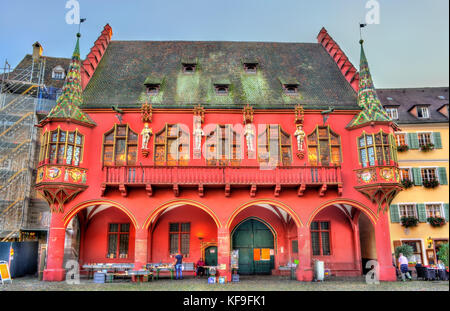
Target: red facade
215,199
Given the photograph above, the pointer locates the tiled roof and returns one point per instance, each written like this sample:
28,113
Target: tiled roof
406,98
120,75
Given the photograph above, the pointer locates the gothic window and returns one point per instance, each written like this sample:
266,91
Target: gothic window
377,147
320,238
118,240
171,146
223,146
120,146
62,147
274,146
324,146
179,238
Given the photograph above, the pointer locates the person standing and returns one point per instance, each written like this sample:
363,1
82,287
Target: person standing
403,265
178,266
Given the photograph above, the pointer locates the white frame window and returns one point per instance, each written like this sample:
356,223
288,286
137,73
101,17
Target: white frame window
425,138
410,176
423,112
407,209
405,138
428,173
434,209
58,73
392,112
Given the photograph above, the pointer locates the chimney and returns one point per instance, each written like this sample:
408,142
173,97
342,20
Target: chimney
37,50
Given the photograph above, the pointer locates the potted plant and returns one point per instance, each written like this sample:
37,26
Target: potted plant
436,221
430,183
407,183
443,254
405,249
402,148
410,221
427,147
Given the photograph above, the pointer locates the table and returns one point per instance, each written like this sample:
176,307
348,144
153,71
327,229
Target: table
114,268
170,269
435,273
140,276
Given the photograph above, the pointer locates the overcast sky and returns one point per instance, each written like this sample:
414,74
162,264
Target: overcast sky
408,48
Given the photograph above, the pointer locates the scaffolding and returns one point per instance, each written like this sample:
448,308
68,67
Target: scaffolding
19,95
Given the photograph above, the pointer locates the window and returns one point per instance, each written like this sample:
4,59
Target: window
407,210
428,174
58,73
392,112
179,238
274,144
320,238
422,112
405,174
223,146
417,251
400,139
189,68
290,89
379,147
434,210
324,146
424,139
62,147
172,145
118,240
153,89
221,89
120,146
250,67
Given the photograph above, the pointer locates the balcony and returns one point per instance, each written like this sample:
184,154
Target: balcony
300,177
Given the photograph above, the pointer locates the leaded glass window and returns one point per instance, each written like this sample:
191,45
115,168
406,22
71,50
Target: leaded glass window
119,146
62,147
324,146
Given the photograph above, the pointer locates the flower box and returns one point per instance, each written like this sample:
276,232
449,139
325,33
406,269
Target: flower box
432,183
436,221
407,183
402,148
427,147
409,221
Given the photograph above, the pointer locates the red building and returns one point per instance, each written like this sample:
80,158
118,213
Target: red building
279,150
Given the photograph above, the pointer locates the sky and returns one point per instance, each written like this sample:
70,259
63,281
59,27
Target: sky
408,47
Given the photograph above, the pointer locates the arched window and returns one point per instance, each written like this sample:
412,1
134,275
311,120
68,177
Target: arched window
120,146
171,146
223,146
274,145
379,147
324,146
62,147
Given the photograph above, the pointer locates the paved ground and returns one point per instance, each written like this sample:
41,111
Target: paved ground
254,283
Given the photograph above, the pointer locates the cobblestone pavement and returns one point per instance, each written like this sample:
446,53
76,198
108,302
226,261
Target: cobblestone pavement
254,283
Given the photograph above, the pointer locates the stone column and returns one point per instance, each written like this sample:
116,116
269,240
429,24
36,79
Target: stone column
383,244
54,270
140,248
304,269
223,250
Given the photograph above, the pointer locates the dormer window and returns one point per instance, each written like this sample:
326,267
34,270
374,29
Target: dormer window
290,89
221,89
250,67
58,73
422,112
441,97
189,68
392,112
153,89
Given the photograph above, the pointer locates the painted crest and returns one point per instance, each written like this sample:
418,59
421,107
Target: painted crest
53,172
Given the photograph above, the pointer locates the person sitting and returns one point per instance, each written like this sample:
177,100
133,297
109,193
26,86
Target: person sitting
200,267
440,265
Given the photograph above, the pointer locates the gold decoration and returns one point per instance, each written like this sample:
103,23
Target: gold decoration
146,112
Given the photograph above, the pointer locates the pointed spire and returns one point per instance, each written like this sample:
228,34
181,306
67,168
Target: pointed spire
68,104
372,110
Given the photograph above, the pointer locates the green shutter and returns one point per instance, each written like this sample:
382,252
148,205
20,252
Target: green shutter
446,211
393,147
395,215
421,212
413,141
442,175
437,140
417,176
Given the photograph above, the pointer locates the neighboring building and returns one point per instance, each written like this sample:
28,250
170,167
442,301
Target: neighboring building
227,166
27,93
422,114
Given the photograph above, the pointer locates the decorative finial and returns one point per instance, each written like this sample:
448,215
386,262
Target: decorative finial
78,35
361,41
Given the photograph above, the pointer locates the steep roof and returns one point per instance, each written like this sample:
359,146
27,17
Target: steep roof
120,75
372,110
407,98
68,104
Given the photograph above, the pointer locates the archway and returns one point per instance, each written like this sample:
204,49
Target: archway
255,242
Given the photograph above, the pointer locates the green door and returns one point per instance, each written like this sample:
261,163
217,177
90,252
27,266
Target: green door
211,256
250,235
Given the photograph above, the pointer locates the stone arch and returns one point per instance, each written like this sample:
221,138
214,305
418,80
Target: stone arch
278,204
154,214
74,210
